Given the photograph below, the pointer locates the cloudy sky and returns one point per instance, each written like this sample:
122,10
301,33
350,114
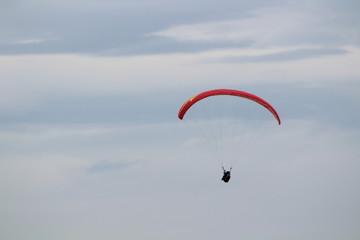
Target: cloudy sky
91,146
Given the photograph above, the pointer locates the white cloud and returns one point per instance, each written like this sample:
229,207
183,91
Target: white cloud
287,25
29,41
27,80
263,27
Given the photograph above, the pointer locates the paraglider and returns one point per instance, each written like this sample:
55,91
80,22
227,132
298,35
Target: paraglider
236,96
226,176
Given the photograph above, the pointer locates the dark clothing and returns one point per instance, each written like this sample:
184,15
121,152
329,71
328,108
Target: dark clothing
226,176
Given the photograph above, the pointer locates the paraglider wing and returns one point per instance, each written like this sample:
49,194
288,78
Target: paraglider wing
187,105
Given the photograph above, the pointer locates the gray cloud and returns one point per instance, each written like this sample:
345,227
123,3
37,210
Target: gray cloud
105,166
291,55
92,28
36,27
292,101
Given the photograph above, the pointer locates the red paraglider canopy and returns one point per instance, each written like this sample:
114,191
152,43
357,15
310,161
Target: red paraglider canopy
187,105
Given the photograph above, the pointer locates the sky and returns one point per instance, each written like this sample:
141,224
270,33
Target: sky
91,146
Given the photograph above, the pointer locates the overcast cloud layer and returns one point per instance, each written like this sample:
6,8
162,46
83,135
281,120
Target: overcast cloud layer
91,146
